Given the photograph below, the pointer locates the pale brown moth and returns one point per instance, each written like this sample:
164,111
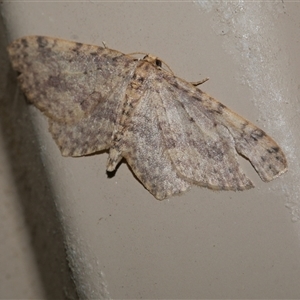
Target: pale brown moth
171,133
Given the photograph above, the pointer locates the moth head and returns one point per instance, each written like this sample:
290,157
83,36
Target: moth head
153,60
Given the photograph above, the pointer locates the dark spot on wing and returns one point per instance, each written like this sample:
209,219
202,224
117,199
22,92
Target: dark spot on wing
24,43
77,47
147,67
117,57
216,153
273,150
196,98
257,134
244,125
54,81
220,107
42,42
170,143
175,84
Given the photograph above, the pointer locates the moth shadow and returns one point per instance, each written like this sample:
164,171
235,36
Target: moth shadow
111,174
34,192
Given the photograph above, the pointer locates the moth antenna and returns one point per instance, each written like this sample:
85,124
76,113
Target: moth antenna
135,53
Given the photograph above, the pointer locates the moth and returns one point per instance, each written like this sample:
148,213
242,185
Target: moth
172,134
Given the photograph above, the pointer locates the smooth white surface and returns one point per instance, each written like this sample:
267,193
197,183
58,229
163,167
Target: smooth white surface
122,243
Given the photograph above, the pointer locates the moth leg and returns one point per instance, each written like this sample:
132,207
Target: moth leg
196,83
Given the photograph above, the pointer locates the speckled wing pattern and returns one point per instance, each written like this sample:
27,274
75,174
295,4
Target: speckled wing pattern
171,133
77,86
